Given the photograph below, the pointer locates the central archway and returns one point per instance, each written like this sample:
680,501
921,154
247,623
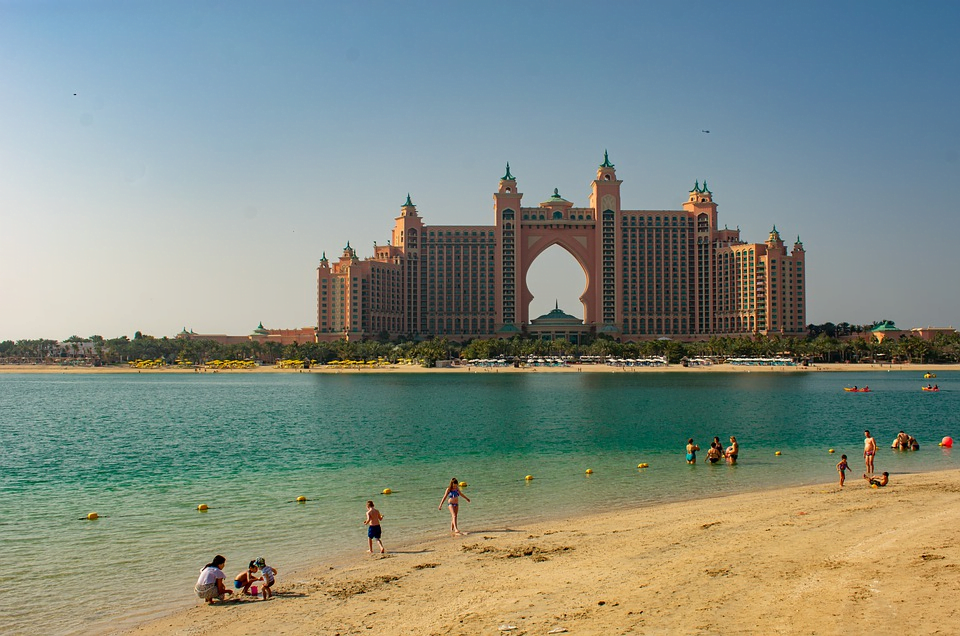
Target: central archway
535,243
556,278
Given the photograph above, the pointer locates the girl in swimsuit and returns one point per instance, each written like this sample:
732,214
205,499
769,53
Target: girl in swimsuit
692,451
452,496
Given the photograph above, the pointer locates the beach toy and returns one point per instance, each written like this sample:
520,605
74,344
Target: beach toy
93,516
777,453
301,499
202,507
874,486
253,590
463,484
947,442
529,477
589,471
387,491
830,451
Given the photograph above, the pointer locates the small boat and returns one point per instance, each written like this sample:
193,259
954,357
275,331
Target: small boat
852,389
927,376
931,389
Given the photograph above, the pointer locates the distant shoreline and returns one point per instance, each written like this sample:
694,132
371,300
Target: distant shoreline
574,368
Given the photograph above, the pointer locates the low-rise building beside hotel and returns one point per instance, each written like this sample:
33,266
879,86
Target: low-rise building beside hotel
260,334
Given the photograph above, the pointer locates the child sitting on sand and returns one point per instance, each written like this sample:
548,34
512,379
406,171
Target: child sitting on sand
269,577
247,578
878,481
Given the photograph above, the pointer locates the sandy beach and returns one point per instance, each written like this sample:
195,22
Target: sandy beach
807,560
573,368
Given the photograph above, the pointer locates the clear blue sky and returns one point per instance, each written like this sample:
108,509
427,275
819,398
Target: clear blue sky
170,164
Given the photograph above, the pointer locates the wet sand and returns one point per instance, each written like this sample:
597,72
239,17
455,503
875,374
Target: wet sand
806,560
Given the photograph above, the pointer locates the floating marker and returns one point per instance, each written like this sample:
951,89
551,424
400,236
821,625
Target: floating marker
529,477
589,471
93,516
463,484
644,465
301,499
777,453
830,451
202,507
387,491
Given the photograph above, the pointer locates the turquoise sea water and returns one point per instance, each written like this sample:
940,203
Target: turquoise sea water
144,450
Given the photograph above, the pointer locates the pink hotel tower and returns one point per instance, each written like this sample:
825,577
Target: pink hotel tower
650,273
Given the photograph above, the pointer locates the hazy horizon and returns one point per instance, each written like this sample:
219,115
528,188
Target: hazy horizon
177,164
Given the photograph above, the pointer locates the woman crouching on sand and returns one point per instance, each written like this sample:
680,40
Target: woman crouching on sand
452,496
210,584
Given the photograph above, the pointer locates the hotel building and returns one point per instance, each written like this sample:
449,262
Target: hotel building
649,273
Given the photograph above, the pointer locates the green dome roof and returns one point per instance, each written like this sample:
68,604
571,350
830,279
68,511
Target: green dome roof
556,316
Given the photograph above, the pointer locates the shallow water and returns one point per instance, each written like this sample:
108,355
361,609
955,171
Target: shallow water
144,450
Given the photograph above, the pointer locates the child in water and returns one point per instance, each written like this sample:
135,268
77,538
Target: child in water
842,466
269,577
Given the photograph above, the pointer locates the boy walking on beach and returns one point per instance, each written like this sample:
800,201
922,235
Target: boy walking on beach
842,466
373,527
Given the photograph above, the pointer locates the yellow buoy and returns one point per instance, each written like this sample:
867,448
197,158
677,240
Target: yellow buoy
589,471
93,516
830,451
387,491
202,507
529,477
301,499
463,484
644,465
777,453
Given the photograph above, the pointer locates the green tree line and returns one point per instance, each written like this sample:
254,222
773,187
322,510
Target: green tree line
824,343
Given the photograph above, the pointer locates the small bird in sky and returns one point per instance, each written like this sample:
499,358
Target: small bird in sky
706,131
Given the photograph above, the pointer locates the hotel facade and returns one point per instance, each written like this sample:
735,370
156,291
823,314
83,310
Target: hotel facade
649,273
